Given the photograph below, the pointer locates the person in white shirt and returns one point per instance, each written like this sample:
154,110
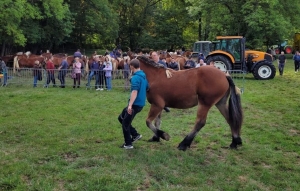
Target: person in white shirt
200,63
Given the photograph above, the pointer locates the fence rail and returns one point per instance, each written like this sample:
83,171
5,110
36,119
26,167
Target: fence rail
24,76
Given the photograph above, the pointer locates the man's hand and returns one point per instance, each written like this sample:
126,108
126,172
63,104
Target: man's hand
129,109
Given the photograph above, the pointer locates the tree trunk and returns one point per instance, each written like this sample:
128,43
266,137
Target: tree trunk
200,28
3,48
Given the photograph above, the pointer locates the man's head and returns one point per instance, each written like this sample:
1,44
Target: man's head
282,52
96,58
201,61
135,63
155,57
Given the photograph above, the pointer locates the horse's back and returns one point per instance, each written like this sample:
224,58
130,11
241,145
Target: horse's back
211,84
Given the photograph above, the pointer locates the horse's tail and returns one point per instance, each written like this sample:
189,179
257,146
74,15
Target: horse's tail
87,67
235,106
16,64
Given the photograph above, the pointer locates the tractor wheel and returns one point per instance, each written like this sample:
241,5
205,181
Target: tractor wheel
264,71
288,49
221,62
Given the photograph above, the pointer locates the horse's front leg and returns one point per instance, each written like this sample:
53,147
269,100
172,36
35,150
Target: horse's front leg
157,121
155,114
200,122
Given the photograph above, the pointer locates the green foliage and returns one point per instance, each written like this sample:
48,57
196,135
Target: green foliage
261,22
157,24
23,21
95,22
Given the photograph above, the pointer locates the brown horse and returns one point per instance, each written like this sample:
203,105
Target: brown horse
8,59
47,55
203,87
24,61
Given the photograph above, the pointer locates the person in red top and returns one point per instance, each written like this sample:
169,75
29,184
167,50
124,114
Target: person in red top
50,73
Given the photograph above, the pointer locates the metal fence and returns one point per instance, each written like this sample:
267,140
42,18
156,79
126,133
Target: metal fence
238,77
24,76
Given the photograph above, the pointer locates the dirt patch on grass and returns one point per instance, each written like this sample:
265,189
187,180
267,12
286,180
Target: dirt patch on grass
69,156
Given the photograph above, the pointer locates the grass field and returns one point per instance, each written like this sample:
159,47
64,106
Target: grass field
65,139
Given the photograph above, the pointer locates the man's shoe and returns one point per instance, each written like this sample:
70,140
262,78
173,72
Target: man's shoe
138,137
166,109
98,89
124,146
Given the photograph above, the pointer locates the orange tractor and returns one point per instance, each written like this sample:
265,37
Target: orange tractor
229,53
296,44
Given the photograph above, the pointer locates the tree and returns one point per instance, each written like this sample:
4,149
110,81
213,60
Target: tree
95,22
261,22
29,22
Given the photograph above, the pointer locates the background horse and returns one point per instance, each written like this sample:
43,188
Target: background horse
205,86
24,61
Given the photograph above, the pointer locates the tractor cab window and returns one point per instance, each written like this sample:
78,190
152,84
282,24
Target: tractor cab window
235,49
232,46
206,49
197,47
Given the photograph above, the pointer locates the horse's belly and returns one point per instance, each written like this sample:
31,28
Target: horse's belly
183,102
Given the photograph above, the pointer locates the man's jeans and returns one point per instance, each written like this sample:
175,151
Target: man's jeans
5,78
35,79
91,76
281,67
125,119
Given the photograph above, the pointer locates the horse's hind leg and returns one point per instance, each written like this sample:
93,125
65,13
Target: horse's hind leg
200,122
155,113
223,108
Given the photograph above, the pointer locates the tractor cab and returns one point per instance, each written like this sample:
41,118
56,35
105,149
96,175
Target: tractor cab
203,47
232,46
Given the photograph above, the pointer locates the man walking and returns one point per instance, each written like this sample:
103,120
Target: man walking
139,86
296,59
281,63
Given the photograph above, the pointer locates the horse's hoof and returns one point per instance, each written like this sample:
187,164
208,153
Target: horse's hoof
233,146
166,136
154,139
181,147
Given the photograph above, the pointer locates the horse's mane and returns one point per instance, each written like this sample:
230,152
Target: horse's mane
149,61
